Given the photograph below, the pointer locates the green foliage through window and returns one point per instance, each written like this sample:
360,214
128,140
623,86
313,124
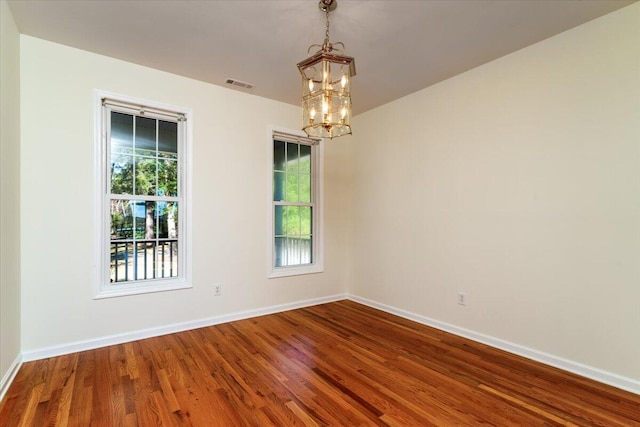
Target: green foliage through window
143,156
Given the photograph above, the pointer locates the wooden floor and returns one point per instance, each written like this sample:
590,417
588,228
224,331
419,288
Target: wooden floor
338,364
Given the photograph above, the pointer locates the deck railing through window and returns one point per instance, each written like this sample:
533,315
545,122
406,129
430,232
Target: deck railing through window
144,259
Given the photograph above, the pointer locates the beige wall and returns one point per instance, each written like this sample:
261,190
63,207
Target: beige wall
518,183
9,191
230,209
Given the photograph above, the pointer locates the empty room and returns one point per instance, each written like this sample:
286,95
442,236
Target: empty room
320,213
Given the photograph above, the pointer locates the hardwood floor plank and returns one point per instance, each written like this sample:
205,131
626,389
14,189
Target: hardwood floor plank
167,391
103,409
537,410
131,364
7,408
52,408
32,403
306,420
66,393
337,364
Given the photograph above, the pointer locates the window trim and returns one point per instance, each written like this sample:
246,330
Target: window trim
317,266
101,286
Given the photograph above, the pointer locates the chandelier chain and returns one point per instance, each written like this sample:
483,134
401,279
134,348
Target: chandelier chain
326,34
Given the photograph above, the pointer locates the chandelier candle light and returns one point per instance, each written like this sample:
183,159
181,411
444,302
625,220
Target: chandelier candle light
326,93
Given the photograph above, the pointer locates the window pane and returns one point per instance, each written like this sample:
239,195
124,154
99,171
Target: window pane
278,186
144,220
278,156
280,254
121,133
167,216
292,158
121,265
167,177
167,259
305,220
293,221
292,188
121,174
167,139
279,221
305,158
143,266
293,251
305,250
145,136
145,176
121,220
305,188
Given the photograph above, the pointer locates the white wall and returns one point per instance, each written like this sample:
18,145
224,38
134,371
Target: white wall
230,211
9,192
518,183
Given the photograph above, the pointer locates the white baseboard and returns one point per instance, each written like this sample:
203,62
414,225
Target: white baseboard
596,374
7,379
577,368
91,344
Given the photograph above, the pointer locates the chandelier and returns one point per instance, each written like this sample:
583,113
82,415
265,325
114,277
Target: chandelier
326,93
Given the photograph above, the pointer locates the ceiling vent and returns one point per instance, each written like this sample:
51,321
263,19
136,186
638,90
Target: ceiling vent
239,83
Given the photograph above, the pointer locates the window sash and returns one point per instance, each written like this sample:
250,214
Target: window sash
142,110
297,139
139,111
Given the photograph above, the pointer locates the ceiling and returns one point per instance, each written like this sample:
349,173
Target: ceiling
399,46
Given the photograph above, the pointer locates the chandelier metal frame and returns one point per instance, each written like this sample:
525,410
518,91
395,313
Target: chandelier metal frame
326,88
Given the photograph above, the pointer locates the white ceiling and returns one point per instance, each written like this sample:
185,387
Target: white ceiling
399,46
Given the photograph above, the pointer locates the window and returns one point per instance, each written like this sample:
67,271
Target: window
143,198
295,205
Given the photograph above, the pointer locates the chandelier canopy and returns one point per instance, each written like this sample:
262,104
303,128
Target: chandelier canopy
326,86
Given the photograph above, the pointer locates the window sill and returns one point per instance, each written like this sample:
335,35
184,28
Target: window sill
295,271
112,291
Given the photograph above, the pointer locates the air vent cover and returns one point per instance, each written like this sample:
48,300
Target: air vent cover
240,83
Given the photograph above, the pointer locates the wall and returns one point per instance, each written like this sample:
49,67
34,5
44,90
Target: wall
230,210
9,195
517,182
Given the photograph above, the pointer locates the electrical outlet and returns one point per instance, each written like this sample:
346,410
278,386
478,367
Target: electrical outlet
217,289
462,298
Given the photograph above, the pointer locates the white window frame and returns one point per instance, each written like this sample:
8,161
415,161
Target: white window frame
317,197
102,288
